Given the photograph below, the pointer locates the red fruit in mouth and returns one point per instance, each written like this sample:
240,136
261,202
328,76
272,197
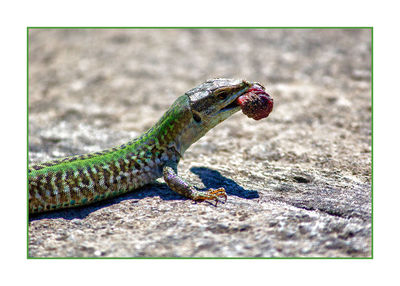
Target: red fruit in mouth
256,103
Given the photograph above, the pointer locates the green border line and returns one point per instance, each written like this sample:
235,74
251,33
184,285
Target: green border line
27,142
200,27
219,258
207,27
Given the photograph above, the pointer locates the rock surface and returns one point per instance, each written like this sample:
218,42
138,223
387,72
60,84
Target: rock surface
298,182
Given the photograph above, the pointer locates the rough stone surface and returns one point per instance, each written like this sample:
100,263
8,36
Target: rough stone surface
299,182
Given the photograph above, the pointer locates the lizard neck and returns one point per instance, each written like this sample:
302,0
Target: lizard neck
167,132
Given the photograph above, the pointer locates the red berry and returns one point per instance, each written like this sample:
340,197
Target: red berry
256,103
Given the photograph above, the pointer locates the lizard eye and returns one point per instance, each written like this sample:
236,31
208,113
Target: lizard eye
222,94
196,117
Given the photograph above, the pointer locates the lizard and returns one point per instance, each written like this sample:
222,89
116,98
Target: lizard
84,179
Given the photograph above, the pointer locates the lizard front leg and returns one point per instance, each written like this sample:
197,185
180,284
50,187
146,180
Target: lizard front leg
183,188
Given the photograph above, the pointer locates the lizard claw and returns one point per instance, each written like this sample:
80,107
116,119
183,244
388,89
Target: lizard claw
213,194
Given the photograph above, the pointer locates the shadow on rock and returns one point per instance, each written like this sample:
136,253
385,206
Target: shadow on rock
213,179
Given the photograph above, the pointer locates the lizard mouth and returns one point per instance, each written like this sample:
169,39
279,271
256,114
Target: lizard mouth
234,104
231,106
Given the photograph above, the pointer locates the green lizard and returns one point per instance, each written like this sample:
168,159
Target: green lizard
84,179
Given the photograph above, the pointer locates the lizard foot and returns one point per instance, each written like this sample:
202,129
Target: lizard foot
212,194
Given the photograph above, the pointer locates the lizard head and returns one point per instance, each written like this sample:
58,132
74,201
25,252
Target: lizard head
211,103
214,100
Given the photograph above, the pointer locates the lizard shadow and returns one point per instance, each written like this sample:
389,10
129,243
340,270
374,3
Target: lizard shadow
214,179
210,178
